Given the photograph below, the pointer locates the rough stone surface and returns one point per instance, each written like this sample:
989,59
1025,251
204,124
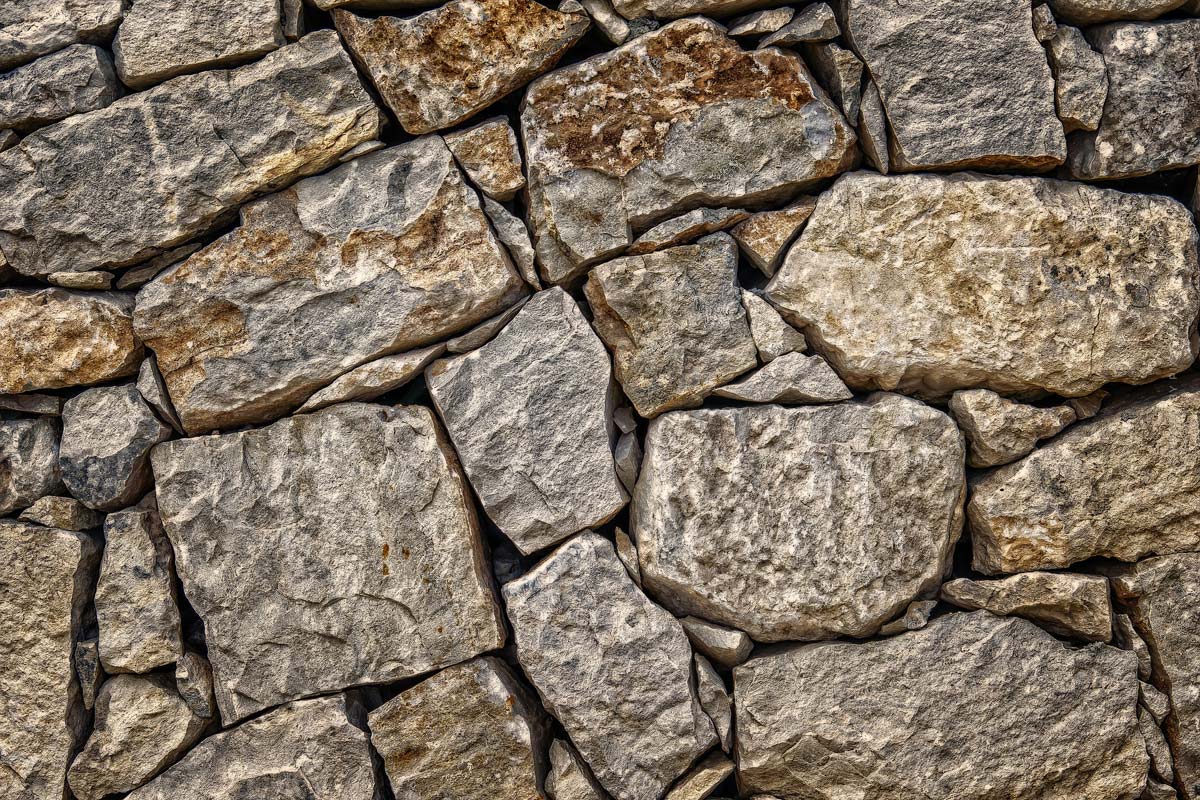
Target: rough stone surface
569,777
95,280
673,9
842,717
31,28
1090,12
832,519
28,462
326,550
1089,405
485,331
88,671
530,416
1128,638
194,682
610,23
686,228
627,552
153,390
873,128
141,275
815,23
773,337
1000,430
1044,25
1155,702
488,154
1156,747
386,253
791,378
512,231
1062,603
1080,80
37,404
64,513
761,22
374,378
714,699
703,779
927,284
916,616
765,236
72,81
628,457
841,72
614,668
728,647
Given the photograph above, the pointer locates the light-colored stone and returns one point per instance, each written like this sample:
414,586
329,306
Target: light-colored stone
871,720
765,236
1127,637
726,646
1089,405
64,513
703,779
627,552
1063,603
194,682
873,128
628,458
614,668
607,20
88,670
569,777
793,378
141,275
686,228
373,378
38,404
1000,430
1090,12
714,699
485,331
1156,747
673,9
488,154
1155,702
153,390
326,550
28,462
1159,791
8,139
1044,25
1080,80
95,280
32,28
759,23
815,23
928,284
915,617
513,233
72,81
841,73
832,518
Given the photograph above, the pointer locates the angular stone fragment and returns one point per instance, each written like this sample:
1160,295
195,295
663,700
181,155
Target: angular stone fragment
472,732
673,9
965,85
615,144
307,750
1089,405
1000,430
46,577
873,128
791,378
152,389
814,23
726,646
1156,747
714,699
1155,702
88,671
569,777
1159,791
607,20
833,715
1123,485
8,139
686,228
57,338
72,81
1062,603
95,280
614,668
203,145
194,682
674,321
141,275
292,19
374,378
142,727
439,68
1090,12
761,22
489,156
1080,80
624,419
765,236
1044,26
485,331
511,230
530,417
628,458
799,523
1009,284
32,28
64,513
1127,637
841,72
703,778
39,404
627,552
916,616
386,253
28,462
326,550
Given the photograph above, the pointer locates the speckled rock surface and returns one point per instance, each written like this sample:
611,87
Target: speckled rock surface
489,155
792,378
75,80
1070,605
64,513
1089,12
1081,82
1000,430
28,462
373,378
32,28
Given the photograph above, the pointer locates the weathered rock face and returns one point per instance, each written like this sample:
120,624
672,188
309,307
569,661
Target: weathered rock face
758,23
703,779
71,81
472,731
686,228
1000,430
45,579
815,22
765,236
672,9
715,700
28,462
627,138
773,337
386,253
203,143
928,284
1062,603
153,390
326,550
64,513
32,28
614,668
1123,485
1089,12
436,69
569,777
832,716
374,378
1080,80
791,378
489,155
530,414
194,682
726,646
830,519
512,231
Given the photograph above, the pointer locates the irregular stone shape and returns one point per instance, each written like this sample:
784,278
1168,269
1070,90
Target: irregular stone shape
1127,638
1123,485
88,670
489,156
1000,430
194,682
607,20
33,28
916,616
510,229
1089,12
307,750
1156,748
676,119
675,322
530,417
832,519
569,777
326,550
714,699
95,280
142,727
929,283
628,458
773,337
292,19
441,67
472,732
46,578
765,236
374,378
159,39
153,390
107,436
1153,85
28,462
726,646
71,81
8,139
965,85
814,23
140,276
627,552
135,596
39,404
485,331
1080,80
384,254
64,513
791,378
673,9
761,22
614,668
65,338
703,779
873,128
1158,791
204,144
841,72
624,419
686,228
1044,26
1156,703
1062,603
1089,405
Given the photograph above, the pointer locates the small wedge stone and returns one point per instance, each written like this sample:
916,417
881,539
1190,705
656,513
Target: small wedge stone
569,777
792,378
765,236
1044,26
686,228
703,779
1128,638
610,23
39,404
489,156
1068,605
1000,430
627,552
1156,703
369,381
814,23
33,28
485,331
840,71
95,280
64,513
152,389
512,232
89,671
915,617
1080,80
194,682
761,22
714,699
725,646
872,128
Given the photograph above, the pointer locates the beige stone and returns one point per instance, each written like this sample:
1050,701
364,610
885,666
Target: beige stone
489,156
765,236
1068,605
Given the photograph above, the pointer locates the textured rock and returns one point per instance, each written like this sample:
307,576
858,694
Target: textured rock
873,128
1123,485
686,228
1155,702
386,253
94,280
929,284
815,23
46,577
916,616
65,338
605,18
8,139
489,156
511,230
615,669
964,84
142,727
28,462
759,23
485,331
675,322
194,682
307,750
202,143
773,337
841,72
1044,26
672,9
832,519
569,777
1000,430
614,144
530,417
326,550
471,732
842,717
1127,638
714,699
791,378
1089,405
106,441
728,647
1156,747
703,779
1062,603
628,458
439,68
1080,80
627,553
374,378
31,28
141,275
153,390
1089,12
38,404
64,513
88,671
765,236
1153,85
72,81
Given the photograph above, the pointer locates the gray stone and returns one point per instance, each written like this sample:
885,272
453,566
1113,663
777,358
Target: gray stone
765,236
873,720
614,668
673,9
94,280
1009,284
841,73
71,81
39,404
1044,26
791,378
1156,703
141,275
374,378
686,228
703,779
1080,80
714,699
1156,747
32,28
832,518
759,23
292,19
485,331
28,462
610,23
203,145
366,148
675,322
1000,430
627,552
326,550
8,139
815,23
1158,791
569,777
873,128
194,682
1127,637
624,419
916,616
628,458
728,647
64,513
1089,12
88,670
384,254
530,417
1068,605
153,390
488,154
513,233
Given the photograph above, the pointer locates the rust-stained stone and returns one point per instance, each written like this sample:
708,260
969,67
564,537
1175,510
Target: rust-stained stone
489,156
765,236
